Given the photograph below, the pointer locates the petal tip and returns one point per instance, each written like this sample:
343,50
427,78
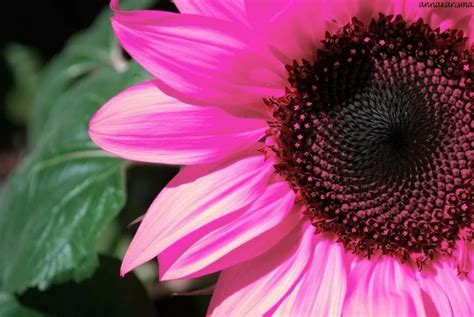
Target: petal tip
95,129
129,263
164,275
124,269
165,271
114,5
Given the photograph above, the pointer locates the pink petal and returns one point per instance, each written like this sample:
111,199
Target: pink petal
464,256
383,287
202,60
436,300
448,18
341,11
470,31
143,124
322,288
459,290
197,196
444,18
409,9
254,287
292,29
232,11
252,231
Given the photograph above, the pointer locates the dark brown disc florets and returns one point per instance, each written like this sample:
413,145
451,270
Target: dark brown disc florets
377,137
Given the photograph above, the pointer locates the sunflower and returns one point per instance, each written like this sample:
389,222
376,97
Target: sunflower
327,149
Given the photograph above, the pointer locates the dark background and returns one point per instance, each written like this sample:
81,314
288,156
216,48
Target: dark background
46,26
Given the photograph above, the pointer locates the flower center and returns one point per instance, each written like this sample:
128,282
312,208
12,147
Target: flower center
376,135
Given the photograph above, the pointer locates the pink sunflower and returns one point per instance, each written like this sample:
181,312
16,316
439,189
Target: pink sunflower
328,150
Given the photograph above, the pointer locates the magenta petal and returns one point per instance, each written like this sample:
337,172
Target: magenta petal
197,196
410,10
464,258
471,31
143,124
200,59
444,18
459,18
340,12
254,287
292,29
232,11
252,231
460,291
322,288
383,287
435,298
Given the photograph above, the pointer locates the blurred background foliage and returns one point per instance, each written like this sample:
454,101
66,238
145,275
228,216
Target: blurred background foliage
66,207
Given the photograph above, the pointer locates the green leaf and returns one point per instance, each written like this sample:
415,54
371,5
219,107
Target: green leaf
66,191
103,294
56,204
9,307
25,65
86,52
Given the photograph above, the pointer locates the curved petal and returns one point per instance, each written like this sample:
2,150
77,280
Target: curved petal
197,196
294,29
201,60
471,31
459,290
252,288
409,9
412,10
322,288
255,229
436,301
464,256
232,11
143,124
341,12
383,287
291,28
448,18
